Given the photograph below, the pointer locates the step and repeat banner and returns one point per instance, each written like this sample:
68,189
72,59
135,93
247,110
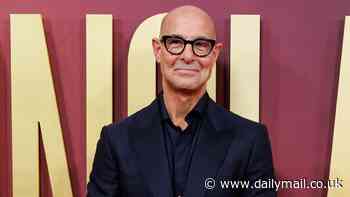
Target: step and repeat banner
67,68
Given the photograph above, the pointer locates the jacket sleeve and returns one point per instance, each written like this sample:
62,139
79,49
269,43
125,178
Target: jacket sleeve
260,167
105,172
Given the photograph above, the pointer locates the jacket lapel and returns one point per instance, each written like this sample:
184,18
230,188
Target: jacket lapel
147,141
148,144
211,149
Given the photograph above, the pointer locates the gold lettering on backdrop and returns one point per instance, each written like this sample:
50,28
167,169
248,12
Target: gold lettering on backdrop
142,66
244,65
340,161
33,101
99,61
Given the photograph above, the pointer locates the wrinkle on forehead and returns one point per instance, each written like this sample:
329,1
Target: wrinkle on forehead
187,12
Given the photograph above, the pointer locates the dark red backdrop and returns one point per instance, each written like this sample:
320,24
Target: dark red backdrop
300,53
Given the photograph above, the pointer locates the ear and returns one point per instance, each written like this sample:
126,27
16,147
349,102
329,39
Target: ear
156,48
216,50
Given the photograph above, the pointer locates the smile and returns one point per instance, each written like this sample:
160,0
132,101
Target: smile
187,69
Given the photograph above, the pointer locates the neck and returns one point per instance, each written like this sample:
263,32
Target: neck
179,103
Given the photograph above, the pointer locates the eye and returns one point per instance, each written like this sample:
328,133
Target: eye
202,44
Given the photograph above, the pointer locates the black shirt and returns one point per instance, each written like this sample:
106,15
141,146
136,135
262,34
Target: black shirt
180,144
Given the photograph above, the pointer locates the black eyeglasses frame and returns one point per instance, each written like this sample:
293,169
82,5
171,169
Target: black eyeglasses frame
165,37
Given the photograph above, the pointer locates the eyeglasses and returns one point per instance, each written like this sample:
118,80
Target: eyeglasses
175,45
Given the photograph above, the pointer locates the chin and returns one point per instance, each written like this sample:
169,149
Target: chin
188,86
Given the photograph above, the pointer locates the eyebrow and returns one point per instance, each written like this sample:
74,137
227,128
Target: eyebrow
194,38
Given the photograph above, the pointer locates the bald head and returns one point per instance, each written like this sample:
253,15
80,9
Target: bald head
189,16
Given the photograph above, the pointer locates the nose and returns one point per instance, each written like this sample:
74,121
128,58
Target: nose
187,55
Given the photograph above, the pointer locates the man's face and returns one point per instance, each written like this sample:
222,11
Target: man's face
186,71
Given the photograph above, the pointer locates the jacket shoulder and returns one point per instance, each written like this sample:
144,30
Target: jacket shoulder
137,119
224,119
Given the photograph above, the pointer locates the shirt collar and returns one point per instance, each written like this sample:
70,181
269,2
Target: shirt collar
199,108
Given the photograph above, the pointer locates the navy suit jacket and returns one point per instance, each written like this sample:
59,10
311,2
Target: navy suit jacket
131,161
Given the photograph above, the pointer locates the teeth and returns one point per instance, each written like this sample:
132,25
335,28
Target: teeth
182,65
185,67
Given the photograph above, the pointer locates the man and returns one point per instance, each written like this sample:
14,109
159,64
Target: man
182,142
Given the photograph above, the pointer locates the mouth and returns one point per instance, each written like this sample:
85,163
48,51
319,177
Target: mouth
187,71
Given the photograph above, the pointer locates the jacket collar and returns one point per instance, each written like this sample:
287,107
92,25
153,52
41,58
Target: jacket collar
199,109
218,117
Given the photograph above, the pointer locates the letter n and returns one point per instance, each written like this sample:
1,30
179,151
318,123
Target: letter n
34,103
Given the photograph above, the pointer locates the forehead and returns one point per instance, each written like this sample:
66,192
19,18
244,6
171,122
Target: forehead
189,26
